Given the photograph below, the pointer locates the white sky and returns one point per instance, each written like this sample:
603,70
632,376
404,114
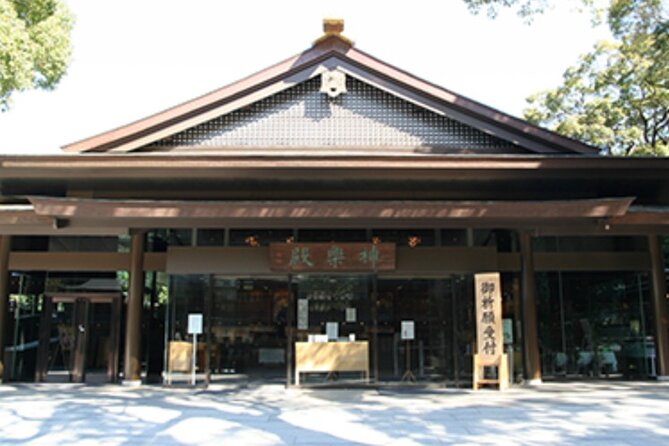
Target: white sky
133,58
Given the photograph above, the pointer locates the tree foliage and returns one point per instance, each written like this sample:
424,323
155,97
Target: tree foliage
34,45
616,97
525,8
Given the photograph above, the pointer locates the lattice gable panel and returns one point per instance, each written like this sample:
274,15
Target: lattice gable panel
363,117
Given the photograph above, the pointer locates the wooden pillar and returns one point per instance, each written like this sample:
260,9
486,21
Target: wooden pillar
289,333
132,363
531,355
5,244
661,316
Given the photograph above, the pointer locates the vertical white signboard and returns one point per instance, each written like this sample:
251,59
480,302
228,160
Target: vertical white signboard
489,334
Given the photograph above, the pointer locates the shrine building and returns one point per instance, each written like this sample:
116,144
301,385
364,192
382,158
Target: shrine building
323,221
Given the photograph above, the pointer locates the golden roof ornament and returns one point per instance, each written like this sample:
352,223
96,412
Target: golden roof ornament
333,28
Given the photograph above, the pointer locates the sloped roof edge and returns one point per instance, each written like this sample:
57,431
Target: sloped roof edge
324,48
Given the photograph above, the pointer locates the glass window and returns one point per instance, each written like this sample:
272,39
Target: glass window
259,237
504,240
443,314
156,241
247,317
211,237
595,324
413,238
332,235
180,237
592,243
30,243
91,244
453,237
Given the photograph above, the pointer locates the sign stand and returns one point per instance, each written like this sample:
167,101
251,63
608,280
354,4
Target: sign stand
478,373
408,374
489,333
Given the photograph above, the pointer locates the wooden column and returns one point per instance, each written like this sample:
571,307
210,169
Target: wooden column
531,356
133,324
289,333
661,316
5,244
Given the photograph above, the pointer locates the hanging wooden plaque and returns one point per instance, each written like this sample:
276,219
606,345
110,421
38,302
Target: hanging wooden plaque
331,257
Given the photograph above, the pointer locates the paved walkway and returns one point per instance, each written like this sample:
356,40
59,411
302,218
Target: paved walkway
565,413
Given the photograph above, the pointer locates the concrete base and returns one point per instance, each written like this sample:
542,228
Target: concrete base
664,378
131,383
533,382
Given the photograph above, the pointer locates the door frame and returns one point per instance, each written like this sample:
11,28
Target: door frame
82,303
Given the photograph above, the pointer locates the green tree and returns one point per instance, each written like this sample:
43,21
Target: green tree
34,45
525,8
617,96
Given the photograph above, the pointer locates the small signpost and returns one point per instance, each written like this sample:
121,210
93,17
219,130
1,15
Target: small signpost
194,328
489,334
407,334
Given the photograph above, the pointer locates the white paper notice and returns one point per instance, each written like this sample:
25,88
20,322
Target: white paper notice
407,332
351,314
194,323
302,314
332,330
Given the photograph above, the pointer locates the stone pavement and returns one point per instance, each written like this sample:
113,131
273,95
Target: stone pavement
602,413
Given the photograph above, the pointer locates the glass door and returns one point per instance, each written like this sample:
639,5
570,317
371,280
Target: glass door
79,333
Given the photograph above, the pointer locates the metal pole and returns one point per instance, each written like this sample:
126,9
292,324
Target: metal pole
194,359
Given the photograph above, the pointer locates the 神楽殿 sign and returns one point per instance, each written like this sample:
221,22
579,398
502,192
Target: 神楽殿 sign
331,257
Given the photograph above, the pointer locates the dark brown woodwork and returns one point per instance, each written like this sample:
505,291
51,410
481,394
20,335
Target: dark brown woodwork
299,211
5,246
531,354
290,332
132,359
659,297
82,261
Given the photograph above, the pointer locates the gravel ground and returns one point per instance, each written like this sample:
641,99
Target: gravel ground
605,413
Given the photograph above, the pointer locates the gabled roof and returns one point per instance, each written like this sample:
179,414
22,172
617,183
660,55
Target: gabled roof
331,51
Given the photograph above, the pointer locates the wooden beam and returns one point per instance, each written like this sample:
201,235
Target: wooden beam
155,211
81,261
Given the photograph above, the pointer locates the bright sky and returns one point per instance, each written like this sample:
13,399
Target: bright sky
133,58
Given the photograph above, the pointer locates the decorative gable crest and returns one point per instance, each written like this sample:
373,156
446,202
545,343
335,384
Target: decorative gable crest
333,83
